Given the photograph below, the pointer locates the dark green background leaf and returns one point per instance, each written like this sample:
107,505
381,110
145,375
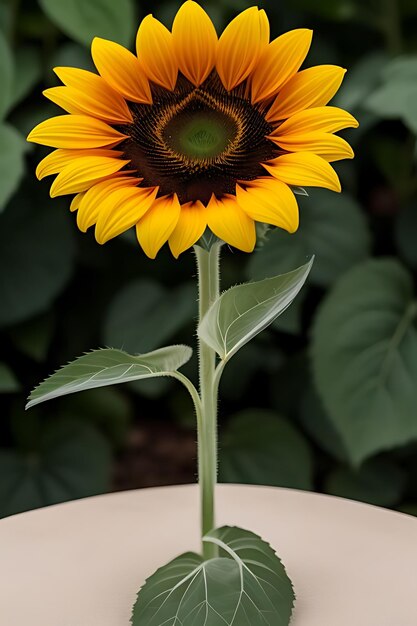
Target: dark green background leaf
108,409
28,72
377,482
13,148
144,315
72,461
261,448
319,426
96,18
8,381
6,75
364,351
36,260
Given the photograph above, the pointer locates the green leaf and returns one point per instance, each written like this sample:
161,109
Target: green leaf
363,78
13,148
242,312
100,368
144,315
36,259
286,383
378,482
316,423
8,381
261,448
246,585
71,461
359,82
402,68
82,20
6,76
333,228
395,99
364,353
258,358
107,408
28,72
6,17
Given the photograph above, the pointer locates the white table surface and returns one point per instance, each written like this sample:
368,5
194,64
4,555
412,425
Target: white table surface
81,563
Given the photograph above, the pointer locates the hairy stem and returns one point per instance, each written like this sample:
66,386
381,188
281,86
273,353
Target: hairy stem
208,290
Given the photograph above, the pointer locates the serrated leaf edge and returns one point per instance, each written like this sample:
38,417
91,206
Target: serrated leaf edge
32,402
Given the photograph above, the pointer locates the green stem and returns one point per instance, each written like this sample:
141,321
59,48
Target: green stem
208,291
191,390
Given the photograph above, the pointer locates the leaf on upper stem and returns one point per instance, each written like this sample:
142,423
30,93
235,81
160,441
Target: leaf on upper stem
242,312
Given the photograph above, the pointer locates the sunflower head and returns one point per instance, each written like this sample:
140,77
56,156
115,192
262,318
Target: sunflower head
194,132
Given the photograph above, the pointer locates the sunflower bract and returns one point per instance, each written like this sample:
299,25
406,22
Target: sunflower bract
194,132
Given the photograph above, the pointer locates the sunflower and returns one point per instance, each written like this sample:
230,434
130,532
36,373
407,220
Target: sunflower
196,132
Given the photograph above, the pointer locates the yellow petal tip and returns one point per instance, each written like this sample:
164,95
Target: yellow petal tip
32,136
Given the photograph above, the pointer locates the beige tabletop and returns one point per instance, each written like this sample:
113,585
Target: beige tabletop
81,563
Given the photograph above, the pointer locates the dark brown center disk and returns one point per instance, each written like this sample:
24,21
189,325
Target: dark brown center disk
198,141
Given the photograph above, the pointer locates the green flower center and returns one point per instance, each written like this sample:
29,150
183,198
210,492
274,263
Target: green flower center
200,135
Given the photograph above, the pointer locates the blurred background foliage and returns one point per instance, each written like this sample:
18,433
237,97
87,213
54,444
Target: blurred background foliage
326,399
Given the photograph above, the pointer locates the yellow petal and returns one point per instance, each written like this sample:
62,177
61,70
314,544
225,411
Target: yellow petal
90,94
121,70
327,119
157,225
195,42
240,46
75,202
58,159
278,62
155,48
313,87
190,227
230,223
330,147
264,28
121,210
83,103
82,173
91,203
303,169
270,201
75,131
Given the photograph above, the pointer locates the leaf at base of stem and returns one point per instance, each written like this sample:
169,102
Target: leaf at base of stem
245,585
